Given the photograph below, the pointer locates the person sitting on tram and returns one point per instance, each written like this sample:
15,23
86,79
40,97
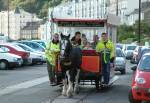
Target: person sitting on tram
76,44
95,41
76,40
88,46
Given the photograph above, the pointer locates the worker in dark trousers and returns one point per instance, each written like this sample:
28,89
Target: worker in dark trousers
106,50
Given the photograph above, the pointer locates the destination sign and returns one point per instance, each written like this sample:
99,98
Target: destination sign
80,24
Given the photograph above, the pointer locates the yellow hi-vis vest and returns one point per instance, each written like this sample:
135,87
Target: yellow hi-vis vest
100,47
51,52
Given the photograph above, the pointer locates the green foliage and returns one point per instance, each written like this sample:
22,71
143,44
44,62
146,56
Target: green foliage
145,28
125,32
40,7
3,4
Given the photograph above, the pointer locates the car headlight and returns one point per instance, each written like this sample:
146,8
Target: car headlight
140,80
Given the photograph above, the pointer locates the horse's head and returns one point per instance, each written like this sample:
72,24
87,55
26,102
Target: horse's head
65,45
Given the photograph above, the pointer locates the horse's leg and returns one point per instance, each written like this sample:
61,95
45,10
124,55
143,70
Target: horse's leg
64,91
76,87
70,83
64,80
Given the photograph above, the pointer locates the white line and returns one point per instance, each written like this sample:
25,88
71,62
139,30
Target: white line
23,85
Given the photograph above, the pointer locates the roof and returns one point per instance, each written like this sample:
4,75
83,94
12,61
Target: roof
31,26
17,10
143,10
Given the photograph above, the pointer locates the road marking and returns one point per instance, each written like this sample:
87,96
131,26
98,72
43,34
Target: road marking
23,85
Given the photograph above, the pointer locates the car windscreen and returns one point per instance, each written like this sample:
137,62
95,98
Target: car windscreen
26,48
145,63
17,48
42,43
119,53
131,47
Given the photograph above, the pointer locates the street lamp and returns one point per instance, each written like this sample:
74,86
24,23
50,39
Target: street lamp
139,34
116,7
117,15
8,17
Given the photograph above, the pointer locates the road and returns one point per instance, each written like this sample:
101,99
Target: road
30,85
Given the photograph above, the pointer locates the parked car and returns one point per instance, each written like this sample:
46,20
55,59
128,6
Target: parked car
17,51
120,61
8,60
128,51
41,42
140,89
118,45
35,56
142,52
33,45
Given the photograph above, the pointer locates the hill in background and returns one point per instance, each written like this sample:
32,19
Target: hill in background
40,7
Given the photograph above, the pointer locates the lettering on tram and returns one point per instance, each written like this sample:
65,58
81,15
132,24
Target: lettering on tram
80,24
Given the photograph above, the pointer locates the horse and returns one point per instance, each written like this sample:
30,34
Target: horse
70,61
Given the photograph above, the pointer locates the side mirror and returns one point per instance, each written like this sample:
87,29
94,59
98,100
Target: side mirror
134,68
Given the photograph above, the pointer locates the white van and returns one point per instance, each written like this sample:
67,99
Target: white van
8,60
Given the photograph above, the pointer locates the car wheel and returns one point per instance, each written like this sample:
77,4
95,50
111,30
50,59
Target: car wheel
132,100
123,71
3,65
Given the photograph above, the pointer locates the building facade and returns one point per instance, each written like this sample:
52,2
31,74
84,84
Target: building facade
133,16
18,19
120,8
44,31
81,9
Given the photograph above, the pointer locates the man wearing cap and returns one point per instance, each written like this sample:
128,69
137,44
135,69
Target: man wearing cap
106,49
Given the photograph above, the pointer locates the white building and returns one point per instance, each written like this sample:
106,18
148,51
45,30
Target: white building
18,19
45,31
80,9
120,8
133,16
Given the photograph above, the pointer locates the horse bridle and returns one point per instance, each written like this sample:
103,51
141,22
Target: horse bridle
62,43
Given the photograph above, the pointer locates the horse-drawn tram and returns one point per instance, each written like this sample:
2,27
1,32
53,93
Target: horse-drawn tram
91,67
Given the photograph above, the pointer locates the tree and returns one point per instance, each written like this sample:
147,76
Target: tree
145,28
40,7
125,32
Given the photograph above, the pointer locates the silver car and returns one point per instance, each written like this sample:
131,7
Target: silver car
120,61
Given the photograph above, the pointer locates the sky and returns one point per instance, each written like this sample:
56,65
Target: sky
133,4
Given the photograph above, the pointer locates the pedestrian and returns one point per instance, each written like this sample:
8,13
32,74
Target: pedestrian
52,52
106,49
